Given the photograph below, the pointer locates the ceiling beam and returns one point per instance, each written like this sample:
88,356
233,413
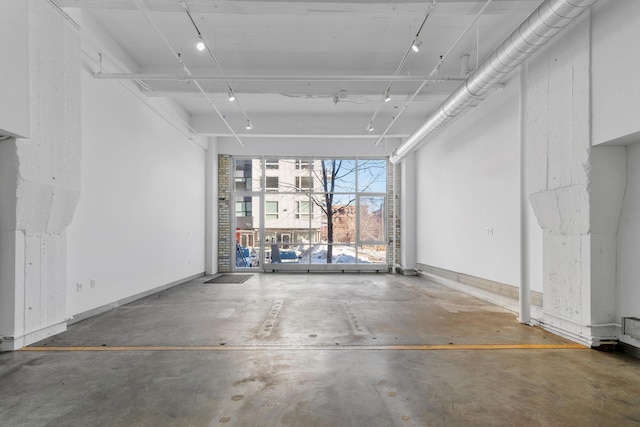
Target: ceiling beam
306,7
270,95
304,125
290,78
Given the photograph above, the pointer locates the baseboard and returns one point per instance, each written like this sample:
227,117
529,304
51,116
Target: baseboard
490,286
104,308
15,342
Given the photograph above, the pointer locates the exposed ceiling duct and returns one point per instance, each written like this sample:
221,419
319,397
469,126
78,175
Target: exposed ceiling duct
544,23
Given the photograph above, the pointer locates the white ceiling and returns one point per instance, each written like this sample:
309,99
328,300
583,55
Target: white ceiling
354,39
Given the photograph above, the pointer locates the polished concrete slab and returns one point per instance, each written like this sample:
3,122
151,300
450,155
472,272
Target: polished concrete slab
314,350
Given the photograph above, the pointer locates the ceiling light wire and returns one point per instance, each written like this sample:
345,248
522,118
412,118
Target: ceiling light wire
141,9
435,69
385,96
185,6
66,16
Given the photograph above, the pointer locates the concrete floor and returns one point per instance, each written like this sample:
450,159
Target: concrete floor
314,350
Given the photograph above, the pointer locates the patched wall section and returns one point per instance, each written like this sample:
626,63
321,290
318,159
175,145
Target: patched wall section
573,200
47,182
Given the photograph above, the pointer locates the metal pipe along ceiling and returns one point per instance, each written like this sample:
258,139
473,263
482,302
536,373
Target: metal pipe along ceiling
543,23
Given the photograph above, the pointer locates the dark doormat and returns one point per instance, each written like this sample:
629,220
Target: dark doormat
230,278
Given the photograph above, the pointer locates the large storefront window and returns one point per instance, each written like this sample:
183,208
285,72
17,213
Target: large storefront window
306,211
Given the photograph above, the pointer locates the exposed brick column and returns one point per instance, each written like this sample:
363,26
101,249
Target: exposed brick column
224,213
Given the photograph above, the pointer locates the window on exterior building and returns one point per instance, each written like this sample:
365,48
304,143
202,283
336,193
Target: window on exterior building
304,183
271,209
243,184
271,183
303,164
272,163
243,208
242,174
303,210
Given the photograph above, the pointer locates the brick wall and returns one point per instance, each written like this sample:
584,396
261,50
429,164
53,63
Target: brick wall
224,213
391,221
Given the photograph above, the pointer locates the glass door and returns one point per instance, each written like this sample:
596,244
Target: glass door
247,213
247,231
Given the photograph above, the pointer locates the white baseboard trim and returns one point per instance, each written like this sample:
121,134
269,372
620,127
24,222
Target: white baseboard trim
499,300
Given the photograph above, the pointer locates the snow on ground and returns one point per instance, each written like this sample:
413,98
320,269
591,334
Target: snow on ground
341,255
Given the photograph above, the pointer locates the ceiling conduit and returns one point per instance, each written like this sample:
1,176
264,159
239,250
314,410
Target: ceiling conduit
544,23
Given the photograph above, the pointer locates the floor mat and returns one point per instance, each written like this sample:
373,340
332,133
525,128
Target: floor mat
230,278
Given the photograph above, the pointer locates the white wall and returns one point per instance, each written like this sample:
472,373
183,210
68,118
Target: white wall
140,222
615,62
628,290
468,180
14,71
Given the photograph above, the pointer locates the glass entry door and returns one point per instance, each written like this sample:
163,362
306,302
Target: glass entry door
247,213
247,231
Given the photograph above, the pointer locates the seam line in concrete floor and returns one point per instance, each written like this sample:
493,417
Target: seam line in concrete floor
435,347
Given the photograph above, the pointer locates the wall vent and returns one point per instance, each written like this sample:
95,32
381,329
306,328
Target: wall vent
631,327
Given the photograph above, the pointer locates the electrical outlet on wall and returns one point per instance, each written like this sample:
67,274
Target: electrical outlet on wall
78,286
488,231
93,283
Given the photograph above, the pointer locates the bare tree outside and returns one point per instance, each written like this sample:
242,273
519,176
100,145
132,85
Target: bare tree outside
337,177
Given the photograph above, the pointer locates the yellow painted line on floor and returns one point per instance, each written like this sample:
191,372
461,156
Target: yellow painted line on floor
446,347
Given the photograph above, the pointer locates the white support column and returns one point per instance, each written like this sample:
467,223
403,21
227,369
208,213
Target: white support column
211,207
408,214
524,314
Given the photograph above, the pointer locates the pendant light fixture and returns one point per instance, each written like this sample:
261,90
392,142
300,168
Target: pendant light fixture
200,45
